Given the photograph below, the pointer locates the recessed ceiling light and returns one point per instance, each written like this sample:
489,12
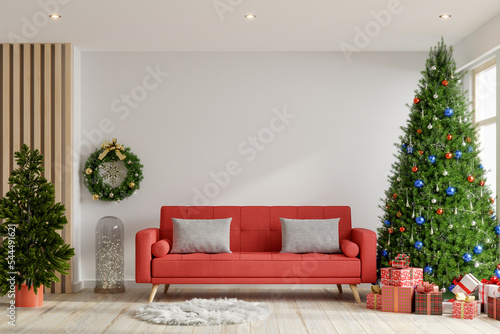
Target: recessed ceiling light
250,16
55,16
445,16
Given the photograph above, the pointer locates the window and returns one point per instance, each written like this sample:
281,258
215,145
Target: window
485,117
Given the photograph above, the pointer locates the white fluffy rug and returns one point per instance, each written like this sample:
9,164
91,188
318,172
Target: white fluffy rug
204,312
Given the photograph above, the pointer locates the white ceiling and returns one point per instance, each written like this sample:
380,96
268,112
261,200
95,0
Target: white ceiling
281,25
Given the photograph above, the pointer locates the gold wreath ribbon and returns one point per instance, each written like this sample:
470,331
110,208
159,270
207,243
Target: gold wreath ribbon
112,146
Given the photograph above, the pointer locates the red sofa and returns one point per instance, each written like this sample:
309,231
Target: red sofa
255,242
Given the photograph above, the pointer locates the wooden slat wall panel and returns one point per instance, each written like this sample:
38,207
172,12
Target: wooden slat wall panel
68,151
36,109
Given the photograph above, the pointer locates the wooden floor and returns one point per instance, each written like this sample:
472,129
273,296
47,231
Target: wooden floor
318,311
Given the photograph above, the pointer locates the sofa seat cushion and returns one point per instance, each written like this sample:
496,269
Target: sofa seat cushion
256,264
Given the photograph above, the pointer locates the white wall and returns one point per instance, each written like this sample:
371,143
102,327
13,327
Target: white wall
336,151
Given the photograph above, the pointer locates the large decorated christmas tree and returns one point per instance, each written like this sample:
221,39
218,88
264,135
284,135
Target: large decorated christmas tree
439,208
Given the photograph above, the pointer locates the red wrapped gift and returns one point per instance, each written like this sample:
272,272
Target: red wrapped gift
374,299
429,303
397,299
401,261
494,308
407,277
464,307
467,285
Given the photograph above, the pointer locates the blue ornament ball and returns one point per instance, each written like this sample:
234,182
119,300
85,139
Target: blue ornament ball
387,222
450,191
481,166
497,273
384,253
420,220
403,147
448,112
451,287
409,150
419,184
467,257
470,149
478,249
419,245
432,159
428,270
458,154
497,229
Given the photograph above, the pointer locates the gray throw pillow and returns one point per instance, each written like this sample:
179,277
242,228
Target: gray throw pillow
310,235
201,235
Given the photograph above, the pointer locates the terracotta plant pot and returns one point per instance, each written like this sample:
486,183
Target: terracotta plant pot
28,298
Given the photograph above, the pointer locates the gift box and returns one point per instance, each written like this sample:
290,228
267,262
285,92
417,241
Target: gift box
487,288
374,301
398,299
401,261
448,307
406,277
464,309
467,285
429,303
494,308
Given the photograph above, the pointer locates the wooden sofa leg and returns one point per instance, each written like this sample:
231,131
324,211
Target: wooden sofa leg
339,286
354,289
166,288
153,292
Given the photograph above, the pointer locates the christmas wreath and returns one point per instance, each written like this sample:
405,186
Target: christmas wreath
112,172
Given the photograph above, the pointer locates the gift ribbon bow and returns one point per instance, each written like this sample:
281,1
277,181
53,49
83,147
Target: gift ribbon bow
112,146
376,289
492,280
427,287
462,298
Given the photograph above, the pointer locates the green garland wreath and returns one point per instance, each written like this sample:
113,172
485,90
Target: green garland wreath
110,152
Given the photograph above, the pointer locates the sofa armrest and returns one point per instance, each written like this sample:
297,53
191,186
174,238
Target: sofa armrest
367,242
144,239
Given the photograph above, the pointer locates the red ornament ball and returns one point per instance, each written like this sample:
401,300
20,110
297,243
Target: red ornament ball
414,169
490,212
449,155
402,229
391,230
467,139
481,183
498,266
449,136
492,200
420,152
444,82
416,100
439,211
390,263
394,196
470,178
388,206
419,131
399,214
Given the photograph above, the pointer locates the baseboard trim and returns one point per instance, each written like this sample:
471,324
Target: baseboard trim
131,284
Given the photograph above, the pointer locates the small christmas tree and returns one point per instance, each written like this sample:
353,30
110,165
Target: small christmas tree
439,208
32,250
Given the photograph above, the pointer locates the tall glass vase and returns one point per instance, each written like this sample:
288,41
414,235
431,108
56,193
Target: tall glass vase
109,255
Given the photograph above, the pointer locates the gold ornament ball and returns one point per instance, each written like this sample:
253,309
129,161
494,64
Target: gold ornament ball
95,197
131,184
88,171
111,195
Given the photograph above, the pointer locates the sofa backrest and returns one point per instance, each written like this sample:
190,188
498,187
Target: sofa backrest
255,228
